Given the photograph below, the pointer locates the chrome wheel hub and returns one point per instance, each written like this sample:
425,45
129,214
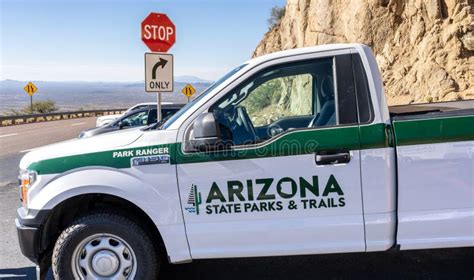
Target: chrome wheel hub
104,256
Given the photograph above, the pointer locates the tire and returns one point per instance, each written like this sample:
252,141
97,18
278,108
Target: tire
93,245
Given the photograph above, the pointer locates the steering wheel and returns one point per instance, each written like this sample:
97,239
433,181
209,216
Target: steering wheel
245,121
239,123
242,128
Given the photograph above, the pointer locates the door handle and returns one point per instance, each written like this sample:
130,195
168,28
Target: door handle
332,157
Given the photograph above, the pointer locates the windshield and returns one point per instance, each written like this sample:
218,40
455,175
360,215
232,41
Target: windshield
204,93
134,118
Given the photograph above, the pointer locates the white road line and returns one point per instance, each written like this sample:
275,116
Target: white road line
8,135
81,123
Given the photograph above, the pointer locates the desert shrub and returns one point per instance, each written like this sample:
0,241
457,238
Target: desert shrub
263,96
276,13
41,107
13,112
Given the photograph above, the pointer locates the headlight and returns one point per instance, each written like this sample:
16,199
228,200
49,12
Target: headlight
26,180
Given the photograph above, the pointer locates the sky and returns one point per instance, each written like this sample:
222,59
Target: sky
99,40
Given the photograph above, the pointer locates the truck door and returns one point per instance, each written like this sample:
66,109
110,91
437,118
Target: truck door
286,179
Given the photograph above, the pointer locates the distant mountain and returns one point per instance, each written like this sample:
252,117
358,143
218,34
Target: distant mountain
190,79
74,95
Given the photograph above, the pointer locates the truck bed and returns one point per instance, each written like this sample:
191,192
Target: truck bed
429,110
434,166
433,122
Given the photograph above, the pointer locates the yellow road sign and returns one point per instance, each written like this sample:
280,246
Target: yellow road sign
188,90
30,88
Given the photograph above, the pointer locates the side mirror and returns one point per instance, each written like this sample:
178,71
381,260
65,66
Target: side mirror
121,125
205,133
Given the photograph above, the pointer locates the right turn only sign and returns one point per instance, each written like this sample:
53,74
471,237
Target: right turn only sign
158,72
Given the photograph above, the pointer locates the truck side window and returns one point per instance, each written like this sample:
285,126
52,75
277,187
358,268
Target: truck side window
279,99
346,98
270,101
362,90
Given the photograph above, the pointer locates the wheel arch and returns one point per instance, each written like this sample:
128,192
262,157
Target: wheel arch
70,192
75,206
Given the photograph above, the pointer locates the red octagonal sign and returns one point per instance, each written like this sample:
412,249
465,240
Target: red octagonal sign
158,32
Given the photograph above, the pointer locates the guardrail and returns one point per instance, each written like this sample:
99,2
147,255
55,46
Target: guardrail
24,119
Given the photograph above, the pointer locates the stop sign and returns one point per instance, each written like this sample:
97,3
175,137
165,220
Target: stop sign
158,32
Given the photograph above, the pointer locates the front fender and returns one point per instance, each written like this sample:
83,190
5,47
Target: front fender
160,203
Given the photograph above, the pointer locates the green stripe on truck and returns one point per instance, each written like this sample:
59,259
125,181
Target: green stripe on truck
295,142
105,158
431,131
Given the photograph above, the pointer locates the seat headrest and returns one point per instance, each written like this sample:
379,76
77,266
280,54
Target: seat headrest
327,87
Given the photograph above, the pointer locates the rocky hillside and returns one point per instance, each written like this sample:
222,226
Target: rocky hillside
424,47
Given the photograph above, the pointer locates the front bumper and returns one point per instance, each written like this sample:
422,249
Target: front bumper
28,226
29,238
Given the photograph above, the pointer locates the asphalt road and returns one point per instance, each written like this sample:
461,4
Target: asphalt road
426,264
15,141
21,138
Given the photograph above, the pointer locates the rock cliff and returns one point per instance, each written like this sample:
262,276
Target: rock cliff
424,47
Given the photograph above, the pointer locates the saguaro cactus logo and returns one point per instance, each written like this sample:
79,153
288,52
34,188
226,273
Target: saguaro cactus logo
194,199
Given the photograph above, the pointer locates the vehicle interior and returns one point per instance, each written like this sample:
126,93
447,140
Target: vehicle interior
165,114
278,100
136,118
143,117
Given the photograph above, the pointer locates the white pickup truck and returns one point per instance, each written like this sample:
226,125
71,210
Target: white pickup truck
108,119
291,153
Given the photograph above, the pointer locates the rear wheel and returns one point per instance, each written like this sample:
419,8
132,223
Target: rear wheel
104,245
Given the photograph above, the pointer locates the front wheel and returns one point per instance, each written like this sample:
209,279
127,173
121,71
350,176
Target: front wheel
104,245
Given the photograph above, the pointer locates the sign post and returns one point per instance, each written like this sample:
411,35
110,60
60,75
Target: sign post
30,88
158,107
159,34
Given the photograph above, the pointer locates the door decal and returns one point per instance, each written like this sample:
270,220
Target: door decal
266,195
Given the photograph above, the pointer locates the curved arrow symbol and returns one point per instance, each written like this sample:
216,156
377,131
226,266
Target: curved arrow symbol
161,63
